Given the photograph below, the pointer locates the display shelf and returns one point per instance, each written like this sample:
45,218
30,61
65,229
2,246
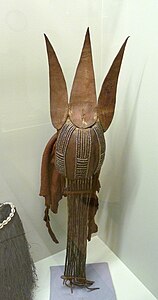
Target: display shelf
126,284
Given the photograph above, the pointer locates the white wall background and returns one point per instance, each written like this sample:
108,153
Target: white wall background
128,199
128,214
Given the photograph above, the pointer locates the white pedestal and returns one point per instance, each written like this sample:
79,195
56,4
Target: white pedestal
126,284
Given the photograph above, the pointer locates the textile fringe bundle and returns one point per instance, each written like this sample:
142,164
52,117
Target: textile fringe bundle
17,271
78,211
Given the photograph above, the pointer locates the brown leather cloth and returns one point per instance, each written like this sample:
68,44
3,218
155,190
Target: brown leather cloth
52,183
52,189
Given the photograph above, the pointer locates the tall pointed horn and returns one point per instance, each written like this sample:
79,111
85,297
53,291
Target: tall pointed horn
58,89
83,99
107,97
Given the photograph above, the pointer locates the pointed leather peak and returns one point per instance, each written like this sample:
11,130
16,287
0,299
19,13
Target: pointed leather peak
58,89
107,97
83,100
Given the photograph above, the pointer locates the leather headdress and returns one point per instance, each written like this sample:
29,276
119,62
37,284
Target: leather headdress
73,157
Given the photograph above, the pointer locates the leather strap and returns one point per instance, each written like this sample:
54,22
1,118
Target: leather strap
47,220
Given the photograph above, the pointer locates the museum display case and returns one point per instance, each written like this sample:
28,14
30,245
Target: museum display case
127,205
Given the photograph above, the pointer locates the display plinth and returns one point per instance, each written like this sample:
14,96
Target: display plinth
126,284
98,272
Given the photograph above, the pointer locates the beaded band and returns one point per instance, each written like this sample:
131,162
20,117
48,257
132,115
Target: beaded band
11,215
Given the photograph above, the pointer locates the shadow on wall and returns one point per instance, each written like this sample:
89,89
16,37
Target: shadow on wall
121,179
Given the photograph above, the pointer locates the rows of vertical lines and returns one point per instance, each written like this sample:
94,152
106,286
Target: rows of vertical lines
101,142
78,210
61,147
83,153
